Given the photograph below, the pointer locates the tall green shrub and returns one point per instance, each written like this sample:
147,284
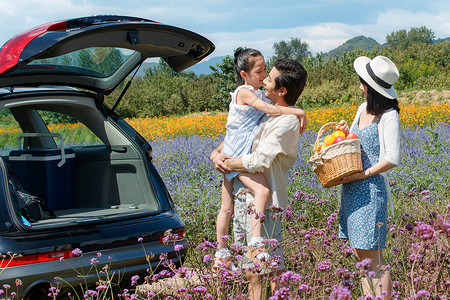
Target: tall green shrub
225,81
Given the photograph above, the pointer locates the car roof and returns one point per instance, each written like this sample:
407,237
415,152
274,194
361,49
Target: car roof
96,52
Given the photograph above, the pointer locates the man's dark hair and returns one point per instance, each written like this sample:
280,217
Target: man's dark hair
292,77
377,103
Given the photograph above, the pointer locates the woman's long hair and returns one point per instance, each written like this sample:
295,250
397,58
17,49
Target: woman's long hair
377,103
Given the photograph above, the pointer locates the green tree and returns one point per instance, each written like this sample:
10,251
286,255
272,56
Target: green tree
294,49
225,81
161,67
103,59
421,35
402,39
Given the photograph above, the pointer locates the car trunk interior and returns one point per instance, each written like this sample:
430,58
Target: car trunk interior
96,181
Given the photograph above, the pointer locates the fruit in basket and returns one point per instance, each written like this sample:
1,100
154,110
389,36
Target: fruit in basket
339,133
351,136
338,139
329,139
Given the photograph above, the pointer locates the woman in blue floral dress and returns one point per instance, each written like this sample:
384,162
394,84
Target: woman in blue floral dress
365,195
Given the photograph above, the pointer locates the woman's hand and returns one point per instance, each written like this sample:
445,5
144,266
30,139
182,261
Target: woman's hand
342,126
382,166
353,177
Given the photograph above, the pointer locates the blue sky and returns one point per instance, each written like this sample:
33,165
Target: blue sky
323,24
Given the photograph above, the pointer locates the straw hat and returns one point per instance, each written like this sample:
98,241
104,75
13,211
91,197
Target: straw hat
380,73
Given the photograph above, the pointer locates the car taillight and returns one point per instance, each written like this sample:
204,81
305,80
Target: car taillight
173,237
12,49
34,258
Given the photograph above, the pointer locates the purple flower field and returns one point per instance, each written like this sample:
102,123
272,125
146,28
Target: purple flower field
318,264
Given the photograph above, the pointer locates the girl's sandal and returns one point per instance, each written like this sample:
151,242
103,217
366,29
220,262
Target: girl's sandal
252,254
221,264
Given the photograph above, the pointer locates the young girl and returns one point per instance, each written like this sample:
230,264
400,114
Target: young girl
247,106
364,196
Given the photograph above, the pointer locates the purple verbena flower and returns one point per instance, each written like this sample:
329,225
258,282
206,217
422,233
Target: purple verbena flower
340,293
178,247
303,287
284,278
282,293
423,294
134,280
199,289
364,264
323,266
424,231
77,252
225,237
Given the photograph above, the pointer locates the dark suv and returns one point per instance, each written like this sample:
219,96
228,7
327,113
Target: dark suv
102,197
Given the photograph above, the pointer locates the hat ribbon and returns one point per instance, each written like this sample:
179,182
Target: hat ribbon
377,79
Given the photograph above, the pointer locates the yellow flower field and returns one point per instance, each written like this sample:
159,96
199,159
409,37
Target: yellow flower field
154,128
411,115
167,127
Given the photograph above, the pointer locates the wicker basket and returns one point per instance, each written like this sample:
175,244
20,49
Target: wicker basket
335,161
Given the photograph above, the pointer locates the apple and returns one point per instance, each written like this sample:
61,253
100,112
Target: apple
338,139
351,136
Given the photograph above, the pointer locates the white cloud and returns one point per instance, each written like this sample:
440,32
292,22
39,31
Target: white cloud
16,17
327,36
397,19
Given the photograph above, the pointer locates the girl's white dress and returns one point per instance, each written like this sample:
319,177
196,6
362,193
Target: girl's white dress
242,125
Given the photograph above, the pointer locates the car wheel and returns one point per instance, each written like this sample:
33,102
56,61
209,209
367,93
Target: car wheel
37,293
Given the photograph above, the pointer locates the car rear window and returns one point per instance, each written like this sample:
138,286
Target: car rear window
97,61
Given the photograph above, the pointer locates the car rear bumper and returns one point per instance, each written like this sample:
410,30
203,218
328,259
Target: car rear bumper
115,265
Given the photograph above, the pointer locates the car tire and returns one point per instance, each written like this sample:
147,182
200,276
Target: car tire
37,293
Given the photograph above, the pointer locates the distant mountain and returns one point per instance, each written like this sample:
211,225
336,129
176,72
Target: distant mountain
202,68
359,42
441,40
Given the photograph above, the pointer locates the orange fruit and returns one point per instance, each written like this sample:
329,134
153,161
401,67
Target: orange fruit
329,139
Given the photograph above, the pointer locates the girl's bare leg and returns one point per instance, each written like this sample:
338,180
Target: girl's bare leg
222,258
256,182
225,213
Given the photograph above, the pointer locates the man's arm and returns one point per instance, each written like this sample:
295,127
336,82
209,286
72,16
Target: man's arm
235,164
282,136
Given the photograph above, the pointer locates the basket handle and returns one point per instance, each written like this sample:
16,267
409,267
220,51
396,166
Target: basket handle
322,129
